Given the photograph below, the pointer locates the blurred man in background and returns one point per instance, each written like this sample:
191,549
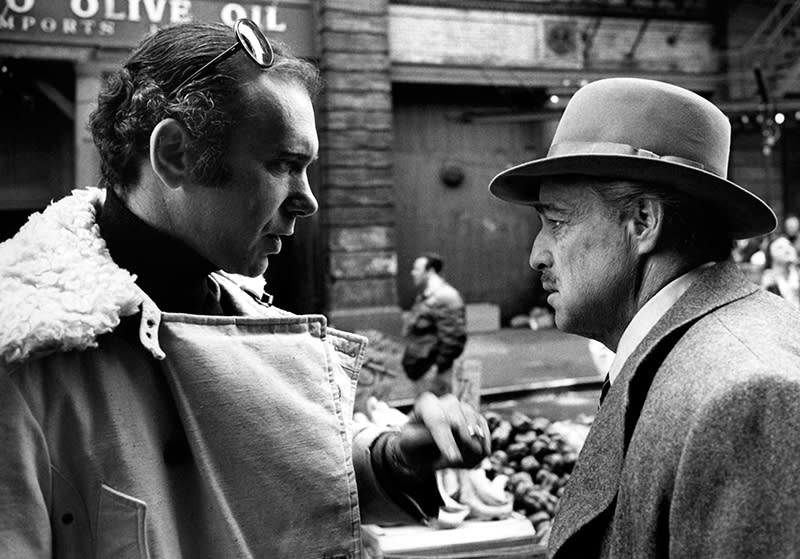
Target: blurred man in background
435,328
791,228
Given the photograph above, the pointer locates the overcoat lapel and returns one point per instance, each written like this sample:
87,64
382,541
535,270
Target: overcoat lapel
593,486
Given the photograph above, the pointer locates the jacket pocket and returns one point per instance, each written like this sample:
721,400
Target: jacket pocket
121,532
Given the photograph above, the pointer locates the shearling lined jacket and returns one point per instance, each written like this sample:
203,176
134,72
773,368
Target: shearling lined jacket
128,432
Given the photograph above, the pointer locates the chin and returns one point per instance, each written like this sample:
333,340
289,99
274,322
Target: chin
560,323
564,323
257,268
249,269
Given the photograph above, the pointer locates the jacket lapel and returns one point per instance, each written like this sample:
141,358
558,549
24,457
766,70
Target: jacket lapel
594,483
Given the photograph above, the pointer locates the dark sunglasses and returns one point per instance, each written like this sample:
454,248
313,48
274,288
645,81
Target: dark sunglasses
248,37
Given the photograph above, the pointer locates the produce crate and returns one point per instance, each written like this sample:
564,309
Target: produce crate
536,434
511,538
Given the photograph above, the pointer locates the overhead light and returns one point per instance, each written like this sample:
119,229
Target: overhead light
554,99
779,118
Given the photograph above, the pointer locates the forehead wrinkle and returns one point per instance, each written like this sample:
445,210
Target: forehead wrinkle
269,105
557,207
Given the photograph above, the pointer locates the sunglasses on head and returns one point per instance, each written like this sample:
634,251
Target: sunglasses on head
248,38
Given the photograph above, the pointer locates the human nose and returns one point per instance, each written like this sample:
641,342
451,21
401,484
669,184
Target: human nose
540,257
302,202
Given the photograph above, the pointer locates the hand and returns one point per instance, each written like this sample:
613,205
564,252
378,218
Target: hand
442,433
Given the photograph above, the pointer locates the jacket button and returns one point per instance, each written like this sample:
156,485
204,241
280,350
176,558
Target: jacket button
177,452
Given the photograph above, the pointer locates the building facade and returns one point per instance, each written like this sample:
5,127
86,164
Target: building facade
425,100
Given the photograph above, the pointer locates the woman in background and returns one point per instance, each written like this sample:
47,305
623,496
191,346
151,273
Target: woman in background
781,275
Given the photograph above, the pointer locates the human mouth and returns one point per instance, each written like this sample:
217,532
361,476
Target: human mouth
273,243
548,283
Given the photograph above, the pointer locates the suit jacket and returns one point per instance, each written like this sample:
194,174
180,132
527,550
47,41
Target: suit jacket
695,452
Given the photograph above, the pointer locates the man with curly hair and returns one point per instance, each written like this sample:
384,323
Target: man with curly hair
154,404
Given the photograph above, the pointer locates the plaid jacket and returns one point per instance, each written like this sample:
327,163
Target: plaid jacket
435,331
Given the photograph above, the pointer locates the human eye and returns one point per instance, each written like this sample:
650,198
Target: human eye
553,222
279,166
289,165
286,166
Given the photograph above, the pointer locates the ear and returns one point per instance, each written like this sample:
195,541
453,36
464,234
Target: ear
168,153
646,224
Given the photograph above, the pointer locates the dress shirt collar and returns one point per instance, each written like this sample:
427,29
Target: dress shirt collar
652,311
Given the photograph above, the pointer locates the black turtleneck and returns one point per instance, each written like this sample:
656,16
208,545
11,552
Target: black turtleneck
169,271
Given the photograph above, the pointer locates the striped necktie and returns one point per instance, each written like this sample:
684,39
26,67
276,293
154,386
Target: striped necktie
604,389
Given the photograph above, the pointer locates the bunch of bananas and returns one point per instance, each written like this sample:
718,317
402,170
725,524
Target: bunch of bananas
470,494
487,499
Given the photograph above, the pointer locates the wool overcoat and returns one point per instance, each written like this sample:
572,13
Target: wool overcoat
695,452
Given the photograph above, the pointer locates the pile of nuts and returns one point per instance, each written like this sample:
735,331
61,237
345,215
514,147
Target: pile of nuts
537,455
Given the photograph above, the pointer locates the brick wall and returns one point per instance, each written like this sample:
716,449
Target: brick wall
357,199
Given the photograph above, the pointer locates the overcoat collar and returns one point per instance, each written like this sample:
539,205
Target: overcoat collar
594,483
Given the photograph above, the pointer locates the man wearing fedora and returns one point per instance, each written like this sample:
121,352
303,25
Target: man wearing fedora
694,450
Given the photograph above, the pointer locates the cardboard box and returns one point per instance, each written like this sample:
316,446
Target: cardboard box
482,317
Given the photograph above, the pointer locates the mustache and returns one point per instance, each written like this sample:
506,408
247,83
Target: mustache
547,277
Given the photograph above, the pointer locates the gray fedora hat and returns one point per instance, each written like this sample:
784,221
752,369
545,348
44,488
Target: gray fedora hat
649,131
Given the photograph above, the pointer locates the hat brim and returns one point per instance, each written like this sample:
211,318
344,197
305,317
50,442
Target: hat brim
745,214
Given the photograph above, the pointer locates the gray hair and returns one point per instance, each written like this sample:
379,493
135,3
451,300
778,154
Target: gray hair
689,227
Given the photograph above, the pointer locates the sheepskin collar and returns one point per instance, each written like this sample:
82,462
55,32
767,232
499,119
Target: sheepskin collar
60,288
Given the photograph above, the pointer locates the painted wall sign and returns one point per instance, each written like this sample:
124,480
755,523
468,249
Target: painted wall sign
429,35
121,23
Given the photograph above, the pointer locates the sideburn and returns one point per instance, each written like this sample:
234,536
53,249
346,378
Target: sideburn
210,168
631,281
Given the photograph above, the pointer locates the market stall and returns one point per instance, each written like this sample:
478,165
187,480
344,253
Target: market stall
502,508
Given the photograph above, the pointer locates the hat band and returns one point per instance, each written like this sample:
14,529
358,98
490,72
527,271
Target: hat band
613,148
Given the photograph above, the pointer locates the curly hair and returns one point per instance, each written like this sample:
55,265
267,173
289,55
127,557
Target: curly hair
142,93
